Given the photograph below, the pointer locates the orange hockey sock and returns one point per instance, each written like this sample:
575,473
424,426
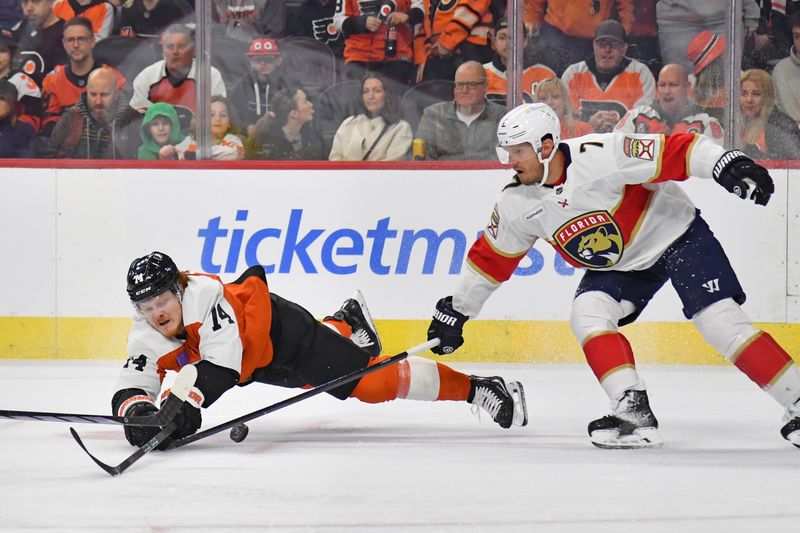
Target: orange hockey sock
415,378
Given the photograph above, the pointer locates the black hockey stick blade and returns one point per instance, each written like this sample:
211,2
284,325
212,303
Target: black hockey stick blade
334,383
135,456
168,410
180,390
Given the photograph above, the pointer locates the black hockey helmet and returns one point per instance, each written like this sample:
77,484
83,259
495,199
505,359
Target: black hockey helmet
151,275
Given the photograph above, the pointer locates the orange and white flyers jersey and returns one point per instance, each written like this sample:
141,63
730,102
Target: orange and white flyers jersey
370,46
647,119
497,83
617,209
632,87
226,324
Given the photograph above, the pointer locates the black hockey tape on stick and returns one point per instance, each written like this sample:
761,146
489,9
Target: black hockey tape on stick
178,394
347,378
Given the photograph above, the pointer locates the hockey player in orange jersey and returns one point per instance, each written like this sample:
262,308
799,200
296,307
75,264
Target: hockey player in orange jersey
238,333
609,203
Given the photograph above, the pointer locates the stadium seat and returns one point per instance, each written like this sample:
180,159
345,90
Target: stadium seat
311,63
417,98
128,55
334,105
229,56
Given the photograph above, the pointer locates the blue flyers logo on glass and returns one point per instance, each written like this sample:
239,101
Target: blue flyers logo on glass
593,240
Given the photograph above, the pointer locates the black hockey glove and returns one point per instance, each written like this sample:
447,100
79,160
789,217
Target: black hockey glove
447,325
738,174
188,420
139,435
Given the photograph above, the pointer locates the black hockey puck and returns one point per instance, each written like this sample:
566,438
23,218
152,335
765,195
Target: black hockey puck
239,433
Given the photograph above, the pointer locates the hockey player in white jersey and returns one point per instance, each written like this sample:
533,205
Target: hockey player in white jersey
609,203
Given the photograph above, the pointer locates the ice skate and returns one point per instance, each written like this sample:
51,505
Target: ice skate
354,311
791,430
631,424
505,403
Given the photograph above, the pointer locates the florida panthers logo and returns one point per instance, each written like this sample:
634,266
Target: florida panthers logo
593,240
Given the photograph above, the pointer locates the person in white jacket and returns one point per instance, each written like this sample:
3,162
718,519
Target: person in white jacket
375,132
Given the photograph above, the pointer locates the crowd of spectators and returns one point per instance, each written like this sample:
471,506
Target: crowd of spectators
356,81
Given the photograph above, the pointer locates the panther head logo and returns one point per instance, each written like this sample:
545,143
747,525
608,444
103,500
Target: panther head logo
600,244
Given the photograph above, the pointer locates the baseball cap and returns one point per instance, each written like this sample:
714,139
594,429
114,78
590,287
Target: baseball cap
610,29
703,49
263,47
501,23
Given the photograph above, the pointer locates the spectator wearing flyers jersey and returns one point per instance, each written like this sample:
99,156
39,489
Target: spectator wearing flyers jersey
455,32
39,39
607,85
172,79
29,95
705,55
64,85
366,27
569,26
314,19
98,12
17,138
148,18
496,81
673,110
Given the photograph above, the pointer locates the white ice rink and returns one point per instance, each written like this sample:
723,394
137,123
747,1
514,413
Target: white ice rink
329,466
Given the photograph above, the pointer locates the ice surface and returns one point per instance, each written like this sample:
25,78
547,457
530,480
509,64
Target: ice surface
329,466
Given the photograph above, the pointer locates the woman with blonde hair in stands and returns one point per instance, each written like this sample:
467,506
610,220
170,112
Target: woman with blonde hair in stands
553,93
376,132
767,132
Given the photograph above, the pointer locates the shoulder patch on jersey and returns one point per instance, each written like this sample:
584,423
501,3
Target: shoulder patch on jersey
639,148
494,222
591,239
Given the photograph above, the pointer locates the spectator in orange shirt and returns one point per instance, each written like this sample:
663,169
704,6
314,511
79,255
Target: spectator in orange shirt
454,32
606,86
99,14
553,93
367,26
496,81
65,84
569,25
705,54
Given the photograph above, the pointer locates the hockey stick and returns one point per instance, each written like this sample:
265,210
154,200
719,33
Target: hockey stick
180,390
334,383
164,415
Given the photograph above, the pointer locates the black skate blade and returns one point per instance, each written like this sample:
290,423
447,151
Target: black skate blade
517,392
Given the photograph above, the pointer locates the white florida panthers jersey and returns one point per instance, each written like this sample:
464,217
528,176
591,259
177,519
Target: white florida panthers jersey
616,209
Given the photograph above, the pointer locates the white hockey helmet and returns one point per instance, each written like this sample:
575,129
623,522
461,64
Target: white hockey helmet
529,123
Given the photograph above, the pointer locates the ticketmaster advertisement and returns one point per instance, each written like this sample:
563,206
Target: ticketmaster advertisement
401,236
